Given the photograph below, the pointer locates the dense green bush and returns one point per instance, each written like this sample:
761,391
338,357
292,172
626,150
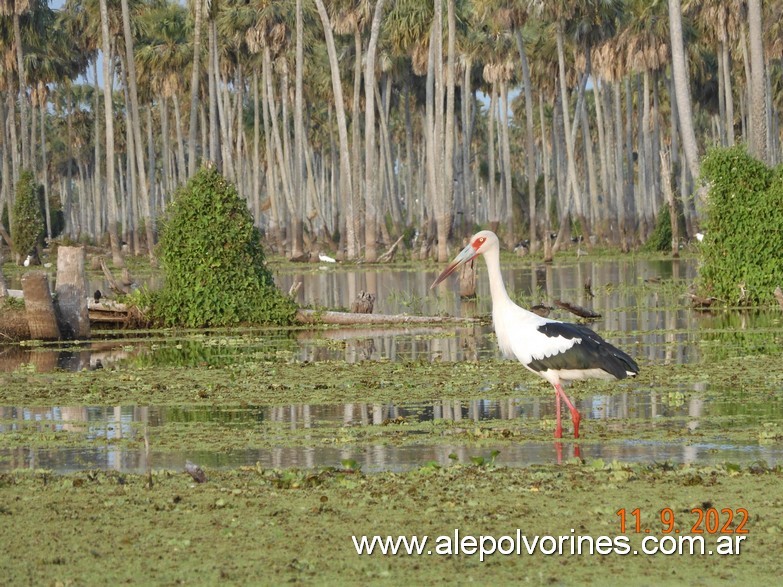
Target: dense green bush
213,261
27,222
743,243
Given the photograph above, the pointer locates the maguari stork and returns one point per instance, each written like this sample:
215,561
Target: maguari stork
557,351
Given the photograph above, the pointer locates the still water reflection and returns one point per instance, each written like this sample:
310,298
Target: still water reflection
643,307
125,437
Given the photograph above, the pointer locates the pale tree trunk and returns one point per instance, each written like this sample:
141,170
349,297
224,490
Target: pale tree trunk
572,185
433,111
494,215
618,168
256,164
45,172
758,138
547,196
212,73
529,141
446,207
356,169
298,182
370,171
682,89
666,182
506,154
346,189
194,87
24,126
729,99
116,254
467,209
142,185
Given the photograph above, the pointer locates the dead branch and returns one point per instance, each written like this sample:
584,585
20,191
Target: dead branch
115,287
388,256
578,310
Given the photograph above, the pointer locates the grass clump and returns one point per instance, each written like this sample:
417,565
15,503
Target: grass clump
215,274
743,244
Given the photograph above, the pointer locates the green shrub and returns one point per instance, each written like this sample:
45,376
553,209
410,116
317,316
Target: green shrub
743,243
27,222
213,261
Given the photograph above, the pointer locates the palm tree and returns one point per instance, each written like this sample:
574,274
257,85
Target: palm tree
15,9
681,88
346,187
143,188
370,171
109,116
198,7
758,136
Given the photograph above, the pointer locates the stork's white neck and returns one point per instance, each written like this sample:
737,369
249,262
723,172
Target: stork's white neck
497,288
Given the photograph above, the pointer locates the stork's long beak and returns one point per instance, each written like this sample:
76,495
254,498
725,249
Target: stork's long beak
467,254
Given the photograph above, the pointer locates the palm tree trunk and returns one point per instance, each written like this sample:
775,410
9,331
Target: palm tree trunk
507,173
529,141
682,89
45,172
24,125
109,116
346,188
547,196
135,118
729,99
758,137
194,87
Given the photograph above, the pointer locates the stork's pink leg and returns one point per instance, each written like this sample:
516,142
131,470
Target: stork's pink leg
575,417
558,426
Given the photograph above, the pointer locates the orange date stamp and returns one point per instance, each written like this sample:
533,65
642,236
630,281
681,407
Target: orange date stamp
707,520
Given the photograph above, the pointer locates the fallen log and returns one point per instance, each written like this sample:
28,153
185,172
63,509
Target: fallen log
347,318
115,287
578,310
388,256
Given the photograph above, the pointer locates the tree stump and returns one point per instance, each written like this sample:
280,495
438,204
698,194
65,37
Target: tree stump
72,293
39,307
467,281
363,304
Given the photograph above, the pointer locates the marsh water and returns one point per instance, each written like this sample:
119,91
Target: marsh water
644,309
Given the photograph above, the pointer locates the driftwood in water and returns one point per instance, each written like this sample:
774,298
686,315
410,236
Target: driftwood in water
702,303
779,296
347,319
578,310
363,304
541,309
71,291
388,256
115,287
39,307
